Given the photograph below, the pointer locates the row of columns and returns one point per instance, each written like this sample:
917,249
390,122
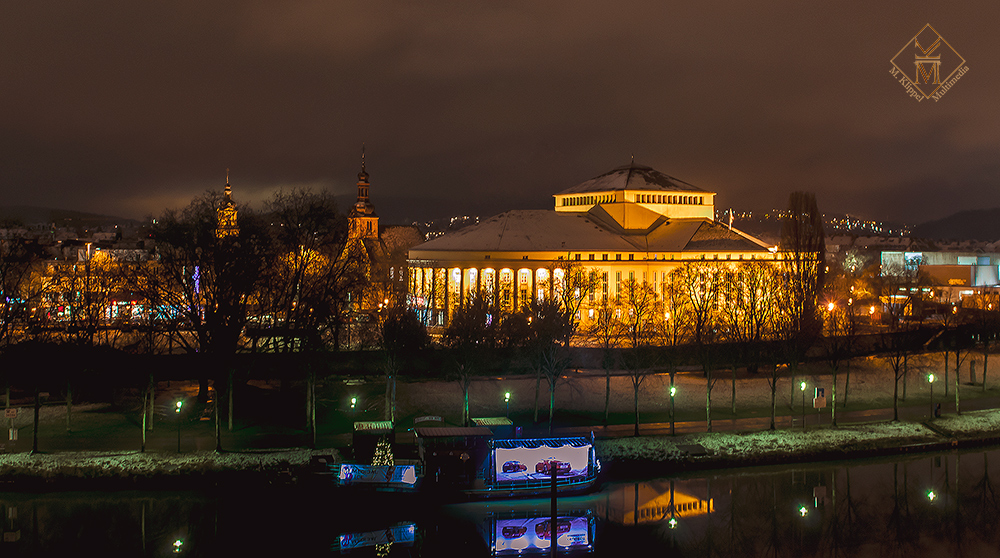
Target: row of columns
436,292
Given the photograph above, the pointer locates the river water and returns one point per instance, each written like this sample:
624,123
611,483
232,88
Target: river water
926,505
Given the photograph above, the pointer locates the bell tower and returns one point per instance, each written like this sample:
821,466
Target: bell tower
227,226
363,220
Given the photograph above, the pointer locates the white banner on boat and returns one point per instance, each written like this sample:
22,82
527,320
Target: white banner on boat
377,474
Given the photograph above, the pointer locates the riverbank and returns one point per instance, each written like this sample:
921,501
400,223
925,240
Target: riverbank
622,458
26,471
650,456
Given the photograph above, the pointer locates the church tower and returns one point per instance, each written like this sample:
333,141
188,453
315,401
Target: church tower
227,214
363,221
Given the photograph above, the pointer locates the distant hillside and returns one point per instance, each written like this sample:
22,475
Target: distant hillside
31,215
974,224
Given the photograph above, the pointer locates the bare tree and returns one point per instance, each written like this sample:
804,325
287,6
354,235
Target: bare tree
802,256
573,285
402,335
641,324
473,333
747,315
894,347
606,332
550,323
699,287
206,285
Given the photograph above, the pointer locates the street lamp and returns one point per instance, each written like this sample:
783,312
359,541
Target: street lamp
673,392
177,410
354,403
803,511
802,388
930,380
931,495
178,545
506,399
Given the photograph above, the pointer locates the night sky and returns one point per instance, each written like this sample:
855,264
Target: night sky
469,107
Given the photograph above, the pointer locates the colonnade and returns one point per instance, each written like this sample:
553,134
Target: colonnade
436,292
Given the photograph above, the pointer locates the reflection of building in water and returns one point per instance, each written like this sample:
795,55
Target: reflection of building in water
645,502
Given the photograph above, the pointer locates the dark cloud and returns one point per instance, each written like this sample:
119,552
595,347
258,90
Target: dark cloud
477,107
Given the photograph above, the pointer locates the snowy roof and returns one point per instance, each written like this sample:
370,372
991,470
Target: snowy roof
632,177
538,230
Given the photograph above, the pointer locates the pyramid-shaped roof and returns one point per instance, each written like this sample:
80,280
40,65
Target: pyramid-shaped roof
632,177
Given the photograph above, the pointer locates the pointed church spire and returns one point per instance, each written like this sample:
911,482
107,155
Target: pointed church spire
226,214
364,222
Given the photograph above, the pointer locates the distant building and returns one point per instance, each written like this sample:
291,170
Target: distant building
227,225
632,223
365,253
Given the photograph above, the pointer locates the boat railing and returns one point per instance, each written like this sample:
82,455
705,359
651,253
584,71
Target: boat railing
535,483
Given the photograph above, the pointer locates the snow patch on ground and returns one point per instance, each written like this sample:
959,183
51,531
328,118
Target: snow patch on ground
977,423
753,446
87,464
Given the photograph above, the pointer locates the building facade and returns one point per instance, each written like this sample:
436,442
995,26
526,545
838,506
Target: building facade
633,223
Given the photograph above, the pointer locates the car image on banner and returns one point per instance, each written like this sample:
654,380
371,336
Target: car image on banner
535,463
534,535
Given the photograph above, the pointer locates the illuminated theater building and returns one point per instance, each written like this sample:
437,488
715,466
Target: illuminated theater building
632,223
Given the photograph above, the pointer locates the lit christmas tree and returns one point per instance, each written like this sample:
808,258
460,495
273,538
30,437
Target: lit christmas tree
383,453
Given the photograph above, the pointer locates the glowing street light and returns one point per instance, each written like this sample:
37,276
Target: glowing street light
673,392
931,495
831,307
178,545
672,523
506,399
803,511
177,410
802,388
354,403
930,380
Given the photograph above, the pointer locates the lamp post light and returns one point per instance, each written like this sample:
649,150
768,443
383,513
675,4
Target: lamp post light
673,392
802,388
930,380
177,410
354,403
506,399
